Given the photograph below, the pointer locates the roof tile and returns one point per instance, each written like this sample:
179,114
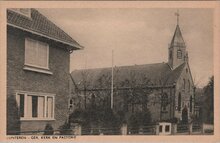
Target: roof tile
40,24
157,74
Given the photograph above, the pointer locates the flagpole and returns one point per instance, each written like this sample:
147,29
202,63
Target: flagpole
112,82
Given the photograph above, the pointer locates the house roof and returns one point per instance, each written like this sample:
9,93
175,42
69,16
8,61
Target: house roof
159,74
40,25
177,37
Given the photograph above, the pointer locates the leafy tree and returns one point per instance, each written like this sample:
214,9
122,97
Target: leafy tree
133,90
208,106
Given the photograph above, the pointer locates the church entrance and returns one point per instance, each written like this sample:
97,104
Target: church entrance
185,115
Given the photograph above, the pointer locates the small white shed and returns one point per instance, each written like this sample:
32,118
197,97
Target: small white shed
164,128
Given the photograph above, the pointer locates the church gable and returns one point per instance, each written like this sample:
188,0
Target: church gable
174,75
185,81
184,93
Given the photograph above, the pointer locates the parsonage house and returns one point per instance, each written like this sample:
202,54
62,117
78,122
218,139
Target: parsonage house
168,86
38,60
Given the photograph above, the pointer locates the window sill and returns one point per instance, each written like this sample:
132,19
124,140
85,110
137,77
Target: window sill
36,69
37,119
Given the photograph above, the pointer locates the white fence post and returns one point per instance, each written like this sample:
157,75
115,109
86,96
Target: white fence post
157,129
77,129
190,128
174,128
124,129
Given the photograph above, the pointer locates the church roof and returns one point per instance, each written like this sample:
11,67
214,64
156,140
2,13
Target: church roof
40,25
159,74
177,37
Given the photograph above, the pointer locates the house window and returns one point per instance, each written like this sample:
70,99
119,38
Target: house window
35,105
24,11
179,102
179,54
36,53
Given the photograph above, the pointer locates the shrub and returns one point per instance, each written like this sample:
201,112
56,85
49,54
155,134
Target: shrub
65,129
96,120
48,130
138,120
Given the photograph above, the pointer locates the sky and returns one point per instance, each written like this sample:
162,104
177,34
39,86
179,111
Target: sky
137,36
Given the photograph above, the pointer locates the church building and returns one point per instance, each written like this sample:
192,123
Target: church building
165,89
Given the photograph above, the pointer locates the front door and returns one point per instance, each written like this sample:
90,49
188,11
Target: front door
185,115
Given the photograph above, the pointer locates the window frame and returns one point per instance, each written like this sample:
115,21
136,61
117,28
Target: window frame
38,94
25,54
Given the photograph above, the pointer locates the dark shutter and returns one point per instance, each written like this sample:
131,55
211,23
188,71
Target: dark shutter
34,106
21,105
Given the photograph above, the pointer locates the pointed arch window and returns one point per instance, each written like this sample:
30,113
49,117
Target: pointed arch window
179,54
179,102
164,101
71,103
190,104
184,84
189,85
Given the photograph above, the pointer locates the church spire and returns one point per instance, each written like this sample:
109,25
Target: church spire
177,38
177,47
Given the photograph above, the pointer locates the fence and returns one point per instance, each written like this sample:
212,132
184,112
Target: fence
46,132
143,130
154,129
196,127
182,128
101,131
193,128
